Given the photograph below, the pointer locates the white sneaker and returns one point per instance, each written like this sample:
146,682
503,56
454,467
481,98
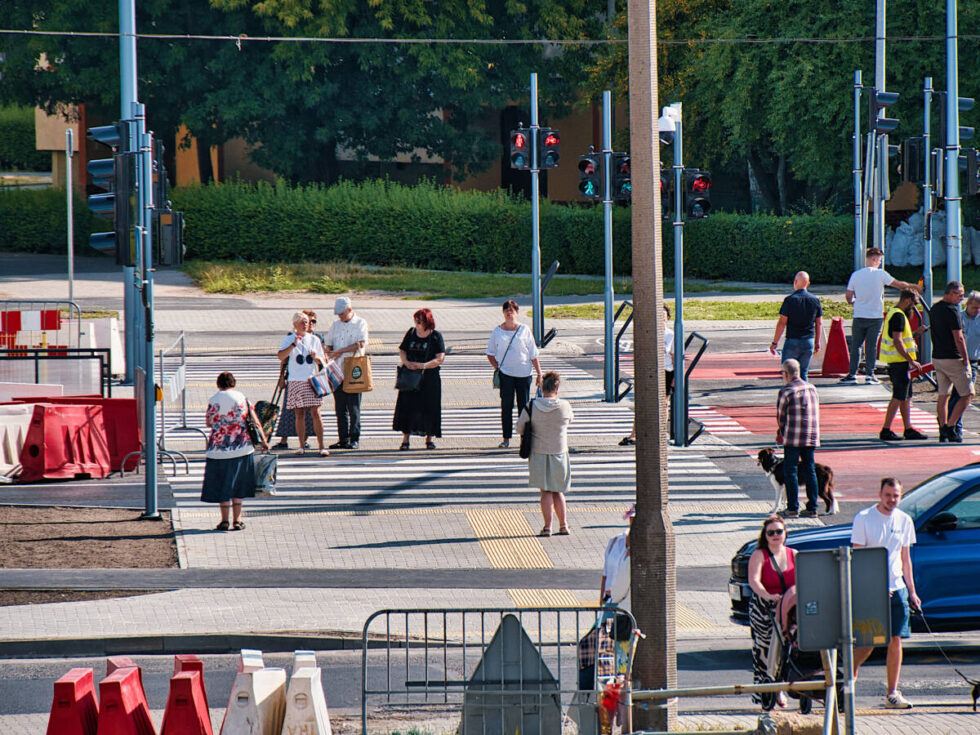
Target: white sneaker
848,380
895,700
871,380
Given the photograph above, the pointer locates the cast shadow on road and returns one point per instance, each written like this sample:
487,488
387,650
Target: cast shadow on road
418,542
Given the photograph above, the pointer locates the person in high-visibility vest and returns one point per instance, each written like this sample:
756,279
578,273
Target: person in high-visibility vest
899,355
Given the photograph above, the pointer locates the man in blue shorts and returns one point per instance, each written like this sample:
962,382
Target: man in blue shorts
884,525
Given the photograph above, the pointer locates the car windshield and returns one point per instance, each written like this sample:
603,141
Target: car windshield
926,495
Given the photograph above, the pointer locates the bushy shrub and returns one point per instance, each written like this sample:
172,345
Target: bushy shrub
33,221
17,151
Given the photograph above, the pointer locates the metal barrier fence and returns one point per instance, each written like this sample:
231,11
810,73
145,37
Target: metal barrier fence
32,323
172,366
62,365
502,669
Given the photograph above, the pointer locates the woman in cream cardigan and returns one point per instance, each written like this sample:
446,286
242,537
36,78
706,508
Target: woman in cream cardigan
548,465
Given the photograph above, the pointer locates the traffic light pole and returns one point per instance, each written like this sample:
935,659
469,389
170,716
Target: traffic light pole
678,412
127,98
857,175
881,141
538,304
954,230
927,209
608,376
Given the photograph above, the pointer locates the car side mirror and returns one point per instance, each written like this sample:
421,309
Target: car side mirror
944,521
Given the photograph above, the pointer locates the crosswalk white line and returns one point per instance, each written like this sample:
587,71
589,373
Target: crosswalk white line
921,420
716,422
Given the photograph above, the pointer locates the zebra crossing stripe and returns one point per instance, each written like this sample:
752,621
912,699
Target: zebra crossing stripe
717,422
921,420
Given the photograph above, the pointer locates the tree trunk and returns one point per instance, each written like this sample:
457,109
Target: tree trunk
205,170
766,182
653,580
783,184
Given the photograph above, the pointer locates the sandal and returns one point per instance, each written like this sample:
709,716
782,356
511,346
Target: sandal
324,452
403,446
545,532
300,452
223,526
627,441
505,444
238,526
430,445
563,531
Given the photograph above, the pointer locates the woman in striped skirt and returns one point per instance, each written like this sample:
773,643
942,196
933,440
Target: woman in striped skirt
772,573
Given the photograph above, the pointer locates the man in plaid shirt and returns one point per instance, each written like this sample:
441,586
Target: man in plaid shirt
798,418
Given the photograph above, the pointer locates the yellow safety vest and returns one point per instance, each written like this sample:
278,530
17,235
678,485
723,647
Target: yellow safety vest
888,351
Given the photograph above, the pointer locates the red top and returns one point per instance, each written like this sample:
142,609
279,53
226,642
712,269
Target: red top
770,578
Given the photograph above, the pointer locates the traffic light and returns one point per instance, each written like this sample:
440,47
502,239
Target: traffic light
972,172
168,226
590,176
547,148
520,149
911,160
963,104
698,203
621,184
116,177
879,101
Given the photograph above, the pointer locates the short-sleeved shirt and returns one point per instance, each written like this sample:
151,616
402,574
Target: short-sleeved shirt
310,345
868,285
226,415
801,309
893,532
944,319
344,334
517,362
972,333
422,349
895,324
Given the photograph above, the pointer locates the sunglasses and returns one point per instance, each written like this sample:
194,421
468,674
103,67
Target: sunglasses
300,359
774,532
312,321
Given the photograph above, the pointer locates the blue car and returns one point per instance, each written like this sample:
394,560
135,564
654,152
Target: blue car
945,557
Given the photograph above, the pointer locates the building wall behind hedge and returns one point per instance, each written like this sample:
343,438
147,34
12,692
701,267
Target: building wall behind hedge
426,226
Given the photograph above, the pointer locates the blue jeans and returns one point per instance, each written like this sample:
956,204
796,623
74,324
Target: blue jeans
801,350
864,331
798,461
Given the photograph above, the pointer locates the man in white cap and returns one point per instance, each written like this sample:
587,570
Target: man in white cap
347,336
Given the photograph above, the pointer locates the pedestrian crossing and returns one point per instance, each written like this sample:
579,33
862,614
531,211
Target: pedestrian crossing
921,420
312,483
716,422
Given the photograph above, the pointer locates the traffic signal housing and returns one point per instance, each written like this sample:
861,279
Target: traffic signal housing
622,186
698,204
116,177
547,147
520,149
911,161
972,171
590,176
879,101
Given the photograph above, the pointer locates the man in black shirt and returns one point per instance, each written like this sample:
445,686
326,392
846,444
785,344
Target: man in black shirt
801,317
951,360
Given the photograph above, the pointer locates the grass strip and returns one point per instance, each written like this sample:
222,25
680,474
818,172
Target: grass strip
704,310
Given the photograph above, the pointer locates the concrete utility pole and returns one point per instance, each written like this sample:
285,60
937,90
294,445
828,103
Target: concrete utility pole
653,572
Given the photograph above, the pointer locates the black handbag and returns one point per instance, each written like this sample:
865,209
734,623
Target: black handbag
408,380
525,450
253,432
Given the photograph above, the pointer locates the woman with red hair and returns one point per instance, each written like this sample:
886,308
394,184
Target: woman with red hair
419,412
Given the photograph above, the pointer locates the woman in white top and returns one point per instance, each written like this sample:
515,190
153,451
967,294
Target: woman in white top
304,352
512,351
229,475
548,466
614,589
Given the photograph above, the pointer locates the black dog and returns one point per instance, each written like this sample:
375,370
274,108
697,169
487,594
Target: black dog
773,466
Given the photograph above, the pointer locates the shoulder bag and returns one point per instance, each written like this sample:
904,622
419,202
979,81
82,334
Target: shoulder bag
328,380
250,427
357,374
496,370
408,380
525,450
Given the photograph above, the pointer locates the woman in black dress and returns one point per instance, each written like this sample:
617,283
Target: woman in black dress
419,412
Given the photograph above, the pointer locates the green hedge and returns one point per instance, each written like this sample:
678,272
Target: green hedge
426,226
17,143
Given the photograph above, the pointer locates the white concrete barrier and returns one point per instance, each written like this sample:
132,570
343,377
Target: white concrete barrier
15,420
306,705
257,703
29,390
304,660
107,336
250,660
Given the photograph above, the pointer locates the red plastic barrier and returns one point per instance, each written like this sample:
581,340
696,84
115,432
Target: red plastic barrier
75,709
190,662
121,662
187,706
121,424
124,710
836,360
65,442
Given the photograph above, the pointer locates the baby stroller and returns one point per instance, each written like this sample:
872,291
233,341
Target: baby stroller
786,662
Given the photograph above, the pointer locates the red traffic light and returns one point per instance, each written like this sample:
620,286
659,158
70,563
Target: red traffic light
551,139
519,141
701,182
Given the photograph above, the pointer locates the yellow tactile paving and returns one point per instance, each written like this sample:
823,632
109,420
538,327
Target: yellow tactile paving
528,598
687,619
507,539
520,509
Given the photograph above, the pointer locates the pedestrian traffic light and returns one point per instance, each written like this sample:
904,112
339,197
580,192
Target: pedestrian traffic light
520,149
911,161
878,102
115,176
548,142
972,171
698,203
621,184
590,176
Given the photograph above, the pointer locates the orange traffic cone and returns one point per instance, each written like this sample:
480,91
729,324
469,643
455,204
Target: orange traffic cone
837,359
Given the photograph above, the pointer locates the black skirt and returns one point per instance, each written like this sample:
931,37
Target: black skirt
419,412
227,479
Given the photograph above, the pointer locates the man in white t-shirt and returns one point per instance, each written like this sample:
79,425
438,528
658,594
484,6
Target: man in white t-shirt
884,525
347,336
865,291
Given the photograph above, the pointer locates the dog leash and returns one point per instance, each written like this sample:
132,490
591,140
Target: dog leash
975,693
